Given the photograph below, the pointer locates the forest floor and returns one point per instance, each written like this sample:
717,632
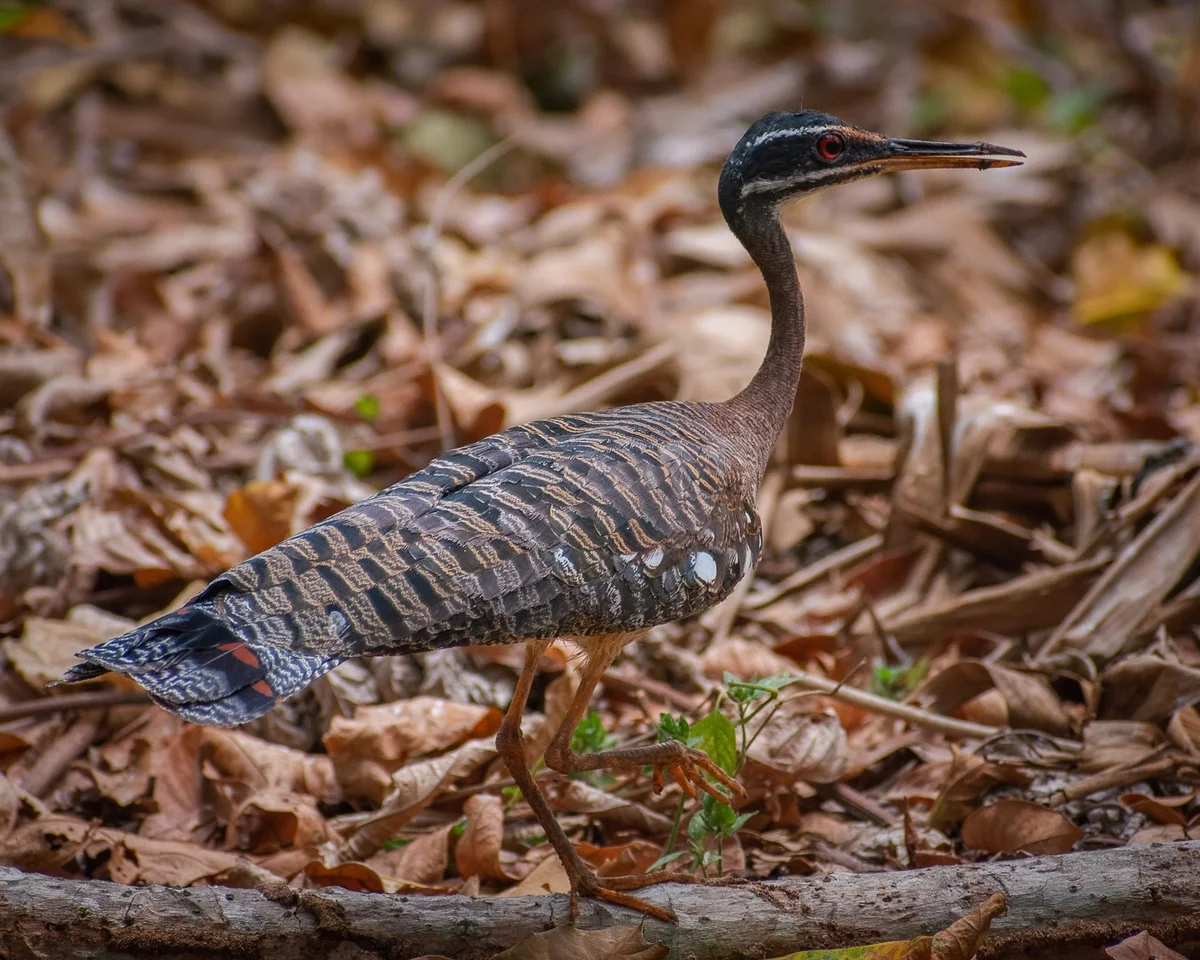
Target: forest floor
261,259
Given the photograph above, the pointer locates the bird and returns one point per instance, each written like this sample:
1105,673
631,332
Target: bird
589,527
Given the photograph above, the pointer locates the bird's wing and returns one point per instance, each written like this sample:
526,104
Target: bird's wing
610,528
575,526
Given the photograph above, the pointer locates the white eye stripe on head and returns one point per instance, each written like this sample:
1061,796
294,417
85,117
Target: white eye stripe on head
785,132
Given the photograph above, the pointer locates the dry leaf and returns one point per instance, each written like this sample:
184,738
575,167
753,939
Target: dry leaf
569,943
262,513
424,860
548,876
414,787
269,821
478,851
391,733
1030,700
1018,826
362,878
967,777
1164,810
1142,946
1112,743
798,744
266,766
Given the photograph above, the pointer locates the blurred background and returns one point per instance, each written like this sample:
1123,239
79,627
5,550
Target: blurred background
417,222
262,257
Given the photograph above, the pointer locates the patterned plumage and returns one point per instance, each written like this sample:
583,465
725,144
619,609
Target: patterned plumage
591,526
579,526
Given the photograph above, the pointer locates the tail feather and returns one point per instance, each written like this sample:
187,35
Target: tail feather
197,665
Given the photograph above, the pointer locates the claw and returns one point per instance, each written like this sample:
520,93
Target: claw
689,771
611,889
683,777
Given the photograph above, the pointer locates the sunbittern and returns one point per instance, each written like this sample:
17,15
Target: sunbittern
592,527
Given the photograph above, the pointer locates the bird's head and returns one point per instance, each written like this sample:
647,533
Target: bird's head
786,155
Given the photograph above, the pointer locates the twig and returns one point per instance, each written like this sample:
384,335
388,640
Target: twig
903,711
1120,776
61,753
815,571
71,701
429,304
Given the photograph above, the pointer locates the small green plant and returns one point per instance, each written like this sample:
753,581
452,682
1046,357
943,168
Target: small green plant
727,743
359,462
368,406
396,843
896,682
591,736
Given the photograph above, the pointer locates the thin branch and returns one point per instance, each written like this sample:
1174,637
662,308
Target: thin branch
910,714
93,699
429,307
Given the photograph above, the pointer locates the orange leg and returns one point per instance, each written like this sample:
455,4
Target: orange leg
584,882
685,764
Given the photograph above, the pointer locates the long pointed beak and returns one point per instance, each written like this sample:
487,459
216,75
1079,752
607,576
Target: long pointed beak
933,154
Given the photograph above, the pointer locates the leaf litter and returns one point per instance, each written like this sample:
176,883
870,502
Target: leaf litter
238,293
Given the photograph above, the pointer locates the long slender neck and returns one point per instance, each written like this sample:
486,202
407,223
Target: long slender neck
764,405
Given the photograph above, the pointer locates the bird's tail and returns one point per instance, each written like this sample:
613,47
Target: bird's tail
197,665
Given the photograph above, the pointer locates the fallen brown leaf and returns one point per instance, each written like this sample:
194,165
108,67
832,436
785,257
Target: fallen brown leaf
477,853
568,943
1018,826
1142,946
391,733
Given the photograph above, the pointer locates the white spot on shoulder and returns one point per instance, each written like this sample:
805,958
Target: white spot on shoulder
705,566
653,560
562,557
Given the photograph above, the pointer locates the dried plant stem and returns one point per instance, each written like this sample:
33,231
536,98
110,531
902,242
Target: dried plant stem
61,753
72,701
902,711
815,571
429,306
1120,776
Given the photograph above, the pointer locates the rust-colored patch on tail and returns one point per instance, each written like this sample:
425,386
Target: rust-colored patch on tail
242,653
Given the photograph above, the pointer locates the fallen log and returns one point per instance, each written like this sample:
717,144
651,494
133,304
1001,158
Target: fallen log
1080,898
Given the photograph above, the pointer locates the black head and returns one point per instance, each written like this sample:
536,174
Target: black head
785,155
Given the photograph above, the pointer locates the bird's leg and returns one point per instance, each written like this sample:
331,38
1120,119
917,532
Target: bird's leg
511,747
685,764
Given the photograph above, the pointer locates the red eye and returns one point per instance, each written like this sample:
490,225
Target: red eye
830,146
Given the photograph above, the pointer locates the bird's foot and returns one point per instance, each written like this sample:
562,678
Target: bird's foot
584,883
689,769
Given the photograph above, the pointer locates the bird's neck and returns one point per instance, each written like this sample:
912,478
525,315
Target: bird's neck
763,406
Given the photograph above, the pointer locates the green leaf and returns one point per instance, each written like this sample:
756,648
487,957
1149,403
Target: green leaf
12,15
718,739
396,843
590,736
359,462
665,859
368,406
1027,89
719,816
896,682
672,728
698,827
